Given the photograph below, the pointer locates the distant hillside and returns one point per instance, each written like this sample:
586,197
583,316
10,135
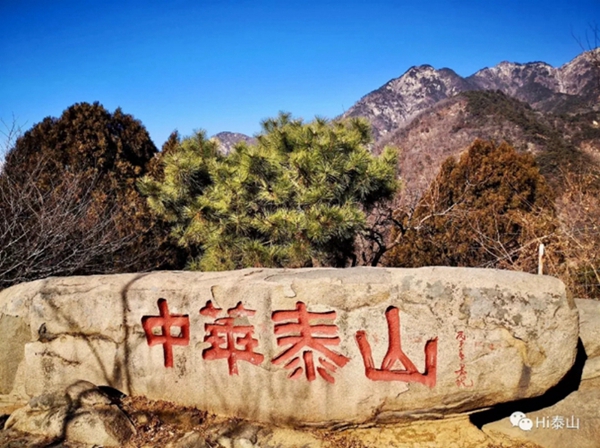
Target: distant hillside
228,140
572,88
451,125
397,102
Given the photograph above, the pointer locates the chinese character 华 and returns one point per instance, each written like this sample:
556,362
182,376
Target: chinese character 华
229,340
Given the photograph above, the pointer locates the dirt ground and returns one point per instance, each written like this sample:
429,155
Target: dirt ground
161,424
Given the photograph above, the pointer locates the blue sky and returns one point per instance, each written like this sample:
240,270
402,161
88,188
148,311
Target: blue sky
224,65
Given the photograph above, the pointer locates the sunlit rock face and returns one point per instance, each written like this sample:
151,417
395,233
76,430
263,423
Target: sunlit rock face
396,103
317,347
573,87
227,140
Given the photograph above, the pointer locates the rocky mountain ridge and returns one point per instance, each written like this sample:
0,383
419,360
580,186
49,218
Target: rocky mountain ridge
227,140
570,88
451,125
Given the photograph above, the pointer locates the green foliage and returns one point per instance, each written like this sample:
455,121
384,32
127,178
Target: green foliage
490,208
297,198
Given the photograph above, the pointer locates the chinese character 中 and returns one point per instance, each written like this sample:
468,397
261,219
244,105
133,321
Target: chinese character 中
293,327
229,340
165,321
395,354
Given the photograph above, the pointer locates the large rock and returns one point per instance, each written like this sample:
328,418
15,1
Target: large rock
309,346
572,422
589,332
14,334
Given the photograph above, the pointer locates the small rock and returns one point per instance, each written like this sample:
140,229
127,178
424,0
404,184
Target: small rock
141,418
79,414
279,437
243,443
48,401
190,440
105,426
242,430
84,393
225,442
45,422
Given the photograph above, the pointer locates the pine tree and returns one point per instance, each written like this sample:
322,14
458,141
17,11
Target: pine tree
297,198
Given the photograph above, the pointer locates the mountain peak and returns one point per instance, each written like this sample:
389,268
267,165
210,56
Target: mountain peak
544,87
227,140
417,70
401,99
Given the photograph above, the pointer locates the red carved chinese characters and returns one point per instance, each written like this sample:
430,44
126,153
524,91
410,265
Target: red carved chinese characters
394,354
166,321
306,339
461,373
228,340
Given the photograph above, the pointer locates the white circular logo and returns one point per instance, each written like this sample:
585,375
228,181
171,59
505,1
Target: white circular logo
515,417
525,424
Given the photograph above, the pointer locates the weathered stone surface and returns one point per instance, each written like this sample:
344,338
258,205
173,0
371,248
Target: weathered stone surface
15,439
81,414
216,432
469,321
8,405
589,332
48,422
572,422
103,425
14,332
190,440
447,433
457,432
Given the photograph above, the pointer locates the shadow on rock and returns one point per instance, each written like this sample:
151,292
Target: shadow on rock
568,384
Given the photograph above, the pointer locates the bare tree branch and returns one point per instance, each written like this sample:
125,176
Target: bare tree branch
589,44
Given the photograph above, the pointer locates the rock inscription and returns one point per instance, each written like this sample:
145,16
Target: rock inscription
305,342
315,347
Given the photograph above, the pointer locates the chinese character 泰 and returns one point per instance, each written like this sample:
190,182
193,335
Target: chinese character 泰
395,354
293,327
229,340
558,422
165,322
